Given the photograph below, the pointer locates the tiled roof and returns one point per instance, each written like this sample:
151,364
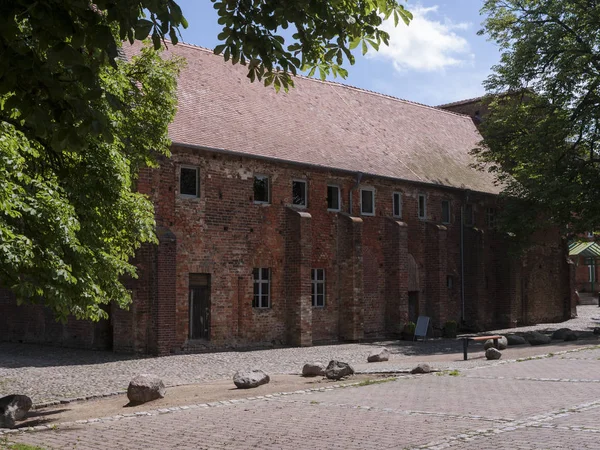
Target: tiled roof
461,102
322,123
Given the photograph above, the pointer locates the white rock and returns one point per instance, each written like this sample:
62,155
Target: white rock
383,354
246,379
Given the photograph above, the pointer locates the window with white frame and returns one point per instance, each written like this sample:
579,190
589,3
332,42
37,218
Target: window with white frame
262,288
299,193
261,189
189,183
318,287
367,201
333,198
445,211
469,219
397,204
422,206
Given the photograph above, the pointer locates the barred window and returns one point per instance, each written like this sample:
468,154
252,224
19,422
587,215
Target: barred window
318,287
491,217
262,288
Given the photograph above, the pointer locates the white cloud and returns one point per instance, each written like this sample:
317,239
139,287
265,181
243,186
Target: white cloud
426,45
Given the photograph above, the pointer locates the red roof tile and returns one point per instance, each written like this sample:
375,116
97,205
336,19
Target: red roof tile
322,123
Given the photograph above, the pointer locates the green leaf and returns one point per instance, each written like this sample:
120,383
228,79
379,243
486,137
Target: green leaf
143,28
219,49
354,43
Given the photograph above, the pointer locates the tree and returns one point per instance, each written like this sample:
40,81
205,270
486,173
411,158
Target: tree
77,123
541,136
70,219
324,33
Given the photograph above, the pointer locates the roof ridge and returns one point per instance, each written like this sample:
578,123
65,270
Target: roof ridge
346,86
461,102
194,46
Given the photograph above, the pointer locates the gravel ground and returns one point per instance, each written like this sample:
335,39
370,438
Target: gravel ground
51,373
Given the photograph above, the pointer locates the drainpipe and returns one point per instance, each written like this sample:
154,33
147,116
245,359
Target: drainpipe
462,264
462,256
359,176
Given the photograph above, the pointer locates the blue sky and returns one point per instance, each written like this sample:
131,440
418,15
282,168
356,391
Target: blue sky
437,59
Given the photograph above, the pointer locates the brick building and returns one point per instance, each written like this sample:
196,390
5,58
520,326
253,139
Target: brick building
326,214
585,253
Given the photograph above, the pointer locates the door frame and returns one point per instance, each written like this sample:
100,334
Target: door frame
199,281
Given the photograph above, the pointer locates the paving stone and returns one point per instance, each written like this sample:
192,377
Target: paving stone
48,376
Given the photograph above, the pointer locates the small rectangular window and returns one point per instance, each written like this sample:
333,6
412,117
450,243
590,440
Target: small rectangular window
491,217
468,219
333,198
299,193
262,288
188,182
397,205
261,189
422,206
445,211
318,287
367,202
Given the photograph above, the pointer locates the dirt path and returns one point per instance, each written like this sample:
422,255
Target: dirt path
178,396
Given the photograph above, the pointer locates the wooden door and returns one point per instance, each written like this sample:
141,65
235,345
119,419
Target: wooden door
413,306
199,306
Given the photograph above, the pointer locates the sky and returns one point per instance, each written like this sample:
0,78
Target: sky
437,59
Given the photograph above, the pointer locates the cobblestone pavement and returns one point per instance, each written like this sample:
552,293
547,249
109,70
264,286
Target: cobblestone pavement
546,403
49,374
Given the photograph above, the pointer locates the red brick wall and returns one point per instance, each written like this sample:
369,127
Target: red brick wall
224,234
36,324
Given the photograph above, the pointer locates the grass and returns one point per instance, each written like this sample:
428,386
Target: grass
376,381
4,444
23,447
452,373
530,358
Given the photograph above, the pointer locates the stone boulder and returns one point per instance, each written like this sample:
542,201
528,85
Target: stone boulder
560,334
337,370
145,388
502,343
13,408
535,338
247,379
492,353
315,369
383,354
570,336
421,368
515,339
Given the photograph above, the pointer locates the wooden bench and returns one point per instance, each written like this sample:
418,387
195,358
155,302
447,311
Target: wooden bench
466,340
